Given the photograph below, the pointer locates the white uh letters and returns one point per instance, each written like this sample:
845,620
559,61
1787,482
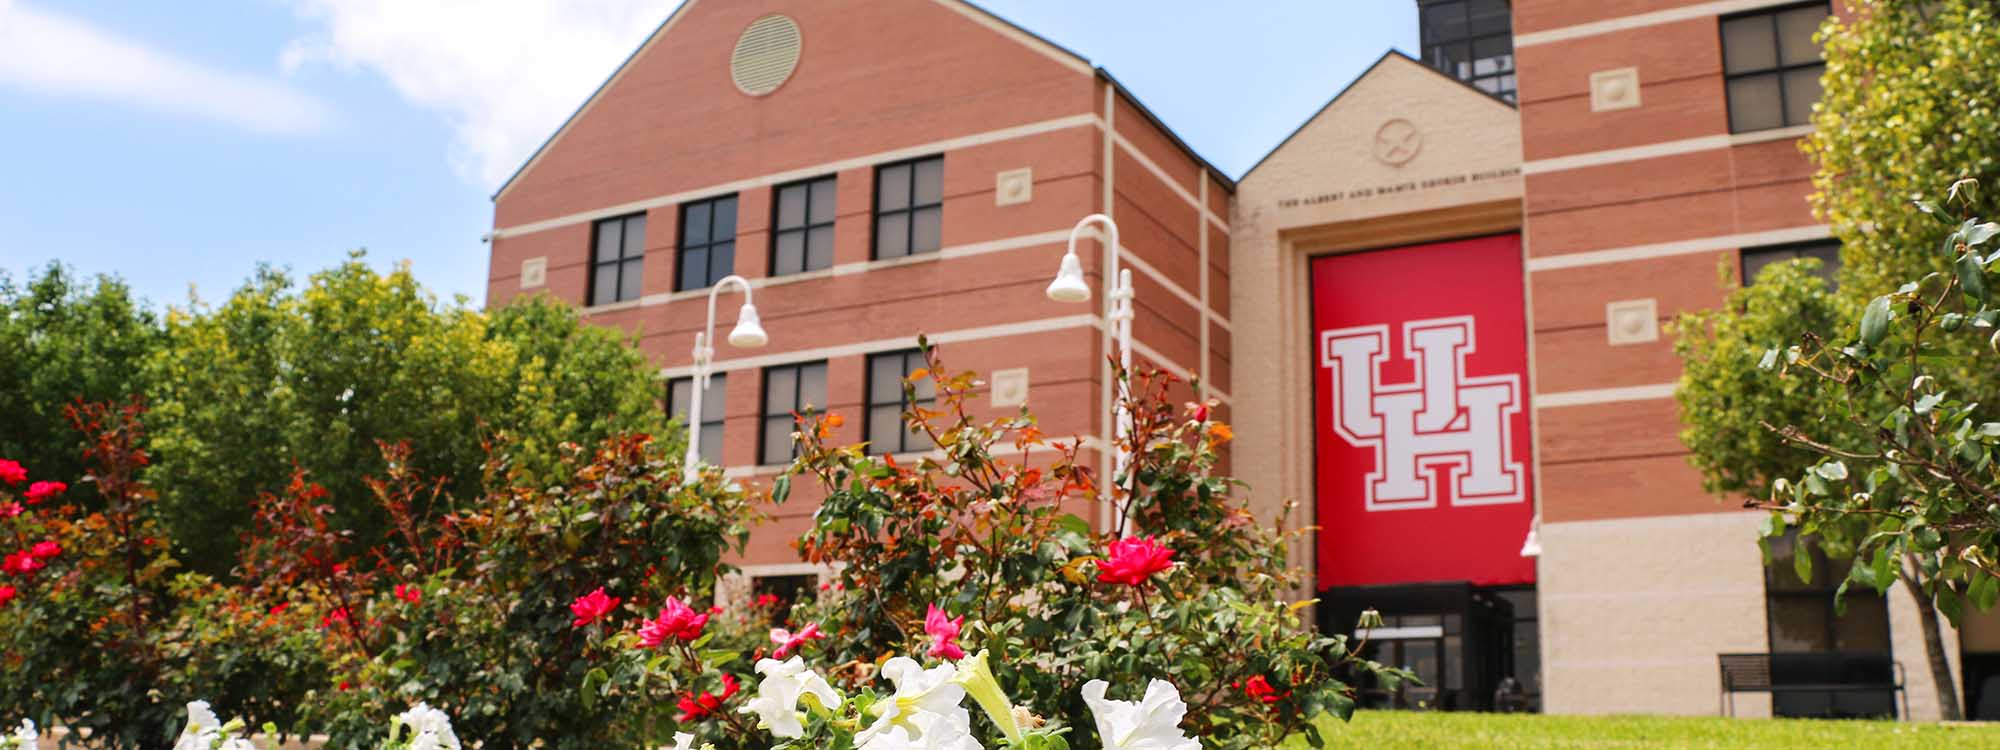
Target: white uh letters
1445,418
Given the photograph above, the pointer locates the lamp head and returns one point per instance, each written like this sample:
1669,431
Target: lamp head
749,332
1532,546
1069,285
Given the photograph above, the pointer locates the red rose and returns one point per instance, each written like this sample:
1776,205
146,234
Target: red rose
1132,560
21,563
46,550
40,491
7,594
592,607
11,471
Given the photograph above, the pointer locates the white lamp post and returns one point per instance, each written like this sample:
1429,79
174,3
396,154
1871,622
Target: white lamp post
1069,286
748,334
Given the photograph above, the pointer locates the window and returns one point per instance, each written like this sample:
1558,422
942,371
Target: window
1471,40
1828,253
708,242
1806,635
709,432
885,430
619,258
802,227
1772,66
784,591
788,389
909,207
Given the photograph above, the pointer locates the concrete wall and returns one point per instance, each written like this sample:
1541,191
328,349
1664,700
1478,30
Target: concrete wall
1635,610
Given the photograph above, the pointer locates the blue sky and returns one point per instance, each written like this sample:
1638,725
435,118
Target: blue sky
179,145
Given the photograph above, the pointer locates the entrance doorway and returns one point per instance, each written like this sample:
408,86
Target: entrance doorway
1461,641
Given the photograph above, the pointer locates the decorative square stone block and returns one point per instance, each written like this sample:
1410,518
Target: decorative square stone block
1010,387
1632,321
534,272
1614,89
1014,186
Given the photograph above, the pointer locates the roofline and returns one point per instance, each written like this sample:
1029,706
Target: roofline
1227,183
1392,52
1025,30
599,91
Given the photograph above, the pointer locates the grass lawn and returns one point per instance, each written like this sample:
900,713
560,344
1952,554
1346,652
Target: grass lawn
1394,730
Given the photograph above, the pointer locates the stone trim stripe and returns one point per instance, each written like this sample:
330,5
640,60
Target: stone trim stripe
1643,20
1662,149
1168,180
1681,247
1605,395
1020,242
1044,325
910,152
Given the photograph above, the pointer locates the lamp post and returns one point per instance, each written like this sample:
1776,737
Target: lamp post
748,334
1069,286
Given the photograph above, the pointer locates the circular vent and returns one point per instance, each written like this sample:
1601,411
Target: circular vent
766,55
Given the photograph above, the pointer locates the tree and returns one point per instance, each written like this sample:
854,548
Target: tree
317,378
66,339
1909,99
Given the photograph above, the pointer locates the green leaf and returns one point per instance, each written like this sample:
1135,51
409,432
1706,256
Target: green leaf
1927,403
1875,321
1972,278
1802,564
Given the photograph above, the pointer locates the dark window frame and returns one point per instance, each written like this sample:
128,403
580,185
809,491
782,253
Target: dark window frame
634,258
719,417
1779,69
1791,251
765,415
904,402
682,248
779,230
1471,42
909,210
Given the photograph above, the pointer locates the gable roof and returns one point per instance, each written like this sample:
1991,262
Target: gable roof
971,9
1392,53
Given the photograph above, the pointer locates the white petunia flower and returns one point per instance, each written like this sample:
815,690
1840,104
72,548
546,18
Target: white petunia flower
430,729
683,741
1151,723
202,729
25,738
926,708
925,731
778,694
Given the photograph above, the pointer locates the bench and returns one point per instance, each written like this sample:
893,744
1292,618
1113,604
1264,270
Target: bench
1811,672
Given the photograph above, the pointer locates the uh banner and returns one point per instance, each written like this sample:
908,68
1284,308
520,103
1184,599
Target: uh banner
1421,400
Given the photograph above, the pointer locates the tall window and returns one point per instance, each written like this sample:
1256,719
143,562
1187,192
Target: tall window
1808,636
708,242
709,432
802,227
886,432
618,260
1773,66
909,207
788,389
1756,258
1471,40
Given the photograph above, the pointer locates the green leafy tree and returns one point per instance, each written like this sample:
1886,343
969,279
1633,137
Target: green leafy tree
1910,92
66,339
281,377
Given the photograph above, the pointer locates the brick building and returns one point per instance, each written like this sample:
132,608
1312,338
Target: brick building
1584,167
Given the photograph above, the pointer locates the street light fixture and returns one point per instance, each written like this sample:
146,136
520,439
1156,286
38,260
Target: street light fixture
748,334
1069,286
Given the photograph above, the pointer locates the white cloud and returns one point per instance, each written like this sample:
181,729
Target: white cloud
60,55
504,73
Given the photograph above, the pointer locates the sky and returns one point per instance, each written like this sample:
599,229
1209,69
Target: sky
181,145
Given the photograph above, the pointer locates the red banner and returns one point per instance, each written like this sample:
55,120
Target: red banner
1421,399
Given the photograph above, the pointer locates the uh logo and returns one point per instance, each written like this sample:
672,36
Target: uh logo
1444,418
